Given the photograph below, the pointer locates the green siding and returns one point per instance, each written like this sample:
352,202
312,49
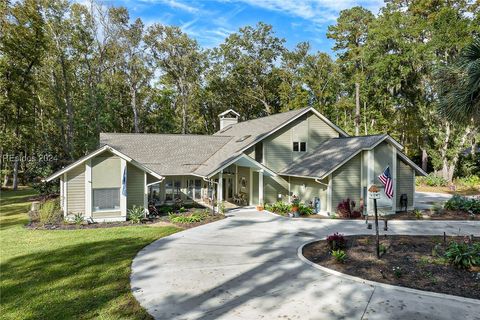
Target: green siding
255,188
346,182
382,159
106,172
272,187
308,189
405,182
76,189
319,131
309,128
135,186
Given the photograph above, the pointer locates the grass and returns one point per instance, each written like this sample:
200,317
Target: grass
460,190
81,274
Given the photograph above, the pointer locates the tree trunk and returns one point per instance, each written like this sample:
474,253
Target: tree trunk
133,103
68,103
15,172
357,108
424,159
365,117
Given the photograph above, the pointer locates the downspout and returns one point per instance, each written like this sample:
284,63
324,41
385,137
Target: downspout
317,180
159,181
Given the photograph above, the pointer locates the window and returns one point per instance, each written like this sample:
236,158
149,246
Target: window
295,146
106,199
168,190
303,146
299,146
177,189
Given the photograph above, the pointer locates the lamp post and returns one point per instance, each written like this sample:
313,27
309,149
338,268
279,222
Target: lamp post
374,193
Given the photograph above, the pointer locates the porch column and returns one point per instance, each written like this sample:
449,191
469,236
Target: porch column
65,194
145,193
220,188
62,195
260,187
250,187
394,178
123,196
88,188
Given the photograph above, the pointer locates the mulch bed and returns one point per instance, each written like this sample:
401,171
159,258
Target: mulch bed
410,215
146,222
413,254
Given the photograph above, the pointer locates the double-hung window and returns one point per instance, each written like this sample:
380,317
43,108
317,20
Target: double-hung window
299,146
106,199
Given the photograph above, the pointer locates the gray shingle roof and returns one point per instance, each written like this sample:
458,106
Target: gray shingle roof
166,154
329,155
248,132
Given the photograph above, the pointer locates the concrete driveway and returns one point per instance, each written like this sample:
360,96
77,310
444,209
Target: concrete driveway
246,267
426,200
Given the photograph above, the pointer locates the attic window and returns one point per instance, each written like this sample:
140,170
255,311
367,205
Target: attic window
244,138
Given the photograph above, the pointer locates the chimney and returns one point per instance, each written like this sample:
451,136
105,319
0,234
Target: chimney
227,118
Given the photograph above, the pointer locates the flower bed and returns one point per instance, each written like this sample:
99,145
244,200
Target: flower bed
419,262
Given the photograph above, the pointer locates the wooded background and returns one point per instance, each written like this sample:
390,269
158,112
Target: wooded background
70,71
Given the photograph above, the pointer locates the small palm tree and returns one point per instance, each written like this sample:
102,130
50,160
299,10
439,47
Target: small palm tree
459,87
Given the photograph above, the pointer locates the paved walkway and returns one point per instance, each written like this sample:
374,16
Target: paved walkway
426,200
246,267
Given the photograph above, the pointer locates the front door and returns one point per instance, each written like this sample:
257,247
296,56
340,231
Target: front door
194,189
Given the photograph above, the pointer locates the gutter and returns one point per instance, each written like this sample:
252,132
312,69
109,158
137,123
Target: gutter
318,181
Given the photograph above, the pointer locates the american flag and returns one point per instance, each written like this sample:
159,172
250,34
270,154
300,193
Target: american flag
387,181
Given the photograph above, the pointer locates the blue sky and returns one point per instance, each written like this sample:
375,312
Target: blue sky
211,21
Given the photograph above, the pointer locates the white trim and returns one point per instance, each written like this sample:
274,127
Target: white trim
246,157
289,190
88,188
145,192
62,195
299,176
236,179
394,178
329,193
227,112
65,191
123,198
414,186
96,152
260,187
220,189
250,189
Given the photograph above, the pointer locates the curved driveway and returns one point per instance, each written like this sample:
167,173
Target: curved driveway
246,267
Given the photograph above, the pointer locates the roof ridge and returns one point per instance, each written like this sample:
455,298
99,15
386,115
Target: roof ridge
271,115
164,134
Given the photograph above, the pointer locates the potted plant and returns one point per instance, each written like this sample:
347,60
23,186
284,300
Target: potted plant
295,205
260,207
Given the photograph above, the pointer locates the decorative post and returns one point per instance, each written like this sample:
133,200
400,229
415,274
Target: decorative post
374,193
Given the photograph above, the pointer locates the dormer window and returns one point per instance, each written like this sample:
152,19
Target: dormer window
299,146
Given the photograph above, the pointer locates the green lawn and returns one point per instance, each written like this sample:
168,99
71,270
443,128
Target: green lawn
67,274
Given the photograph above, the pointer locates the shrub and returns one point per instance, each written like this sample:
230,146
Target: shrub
279,207
339,255
463,204
397,272
336,241
185,219
432,180
78,218
346,209
50,212
463,255
136,214
304,210
471,181
418,214
383,249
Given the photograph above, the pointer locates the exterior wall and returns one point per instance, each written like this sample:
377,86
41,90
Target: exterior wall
255,200
309,128
319,131
106,172
346,182
382,159
272,187
308,189
76,190
135,186
405,182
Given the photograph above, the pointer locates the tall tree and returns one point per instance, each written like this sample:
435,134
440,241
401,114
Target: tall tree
350,35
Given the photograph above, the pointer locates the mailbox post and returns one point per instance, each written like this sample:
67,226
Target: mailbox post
374,193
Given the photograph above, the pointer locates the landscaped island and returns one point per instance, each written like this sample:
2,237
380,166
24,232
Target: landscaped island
431,263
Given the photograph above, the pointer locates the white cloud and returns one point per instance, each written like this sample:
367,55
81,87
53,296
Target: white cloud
318,11
176,4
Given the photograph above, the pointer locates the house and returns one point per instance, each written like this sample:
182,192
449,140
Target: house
264,160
